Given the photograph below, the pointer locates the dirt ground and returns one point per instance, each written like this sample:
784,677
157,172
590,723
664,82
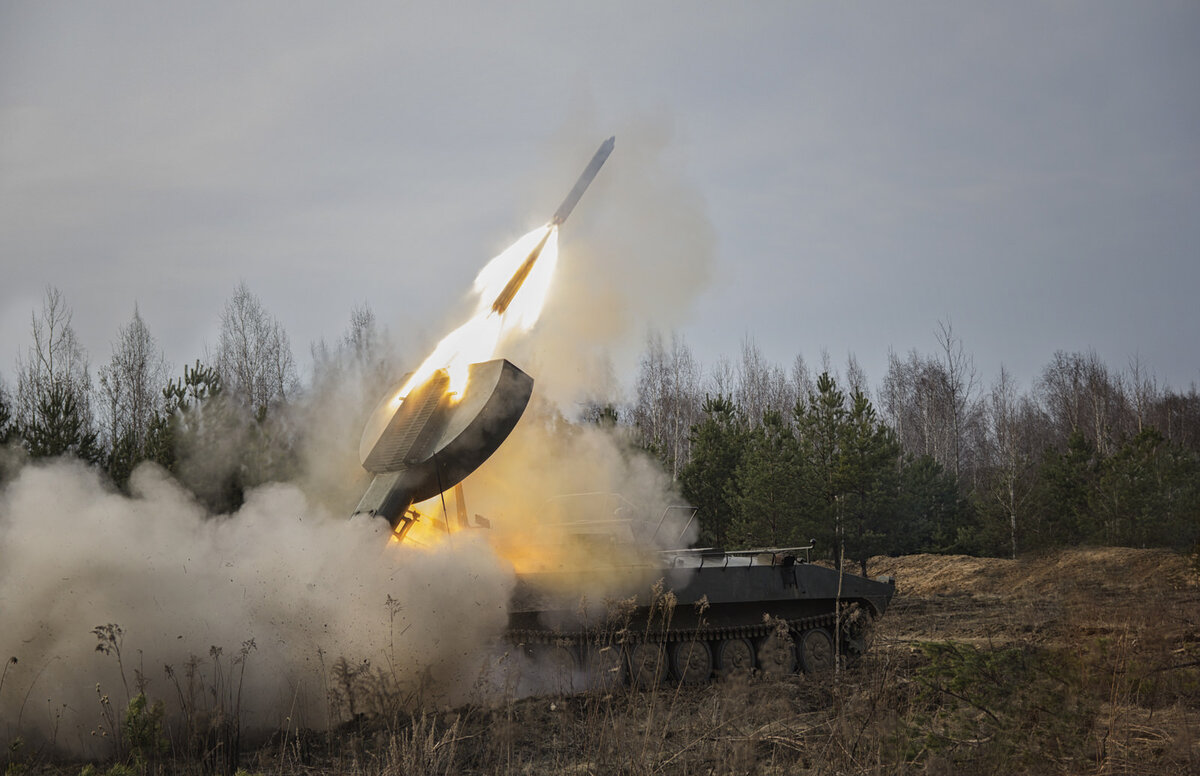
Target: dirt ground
1152,596
1084,661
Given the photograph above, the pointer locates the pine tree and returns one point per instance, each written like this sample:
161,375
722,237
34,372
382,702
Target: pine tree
60,428
819,420
201,438
123,456
768,500
10,459
717,444
1146,494
868,476
54,377
1065,480
932,515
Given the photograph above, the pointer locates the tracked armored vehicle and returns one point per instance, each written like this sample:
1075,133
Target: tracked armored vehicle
700,613
618,609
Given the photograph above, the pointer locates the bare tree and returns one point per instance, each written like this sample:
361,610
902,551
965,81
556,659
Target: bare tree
55,365
359,358
1012,422
856,378
1079,394
913,398
802,381
668,399
7,428
254,356
933,404
131,386
348,380
363,337
1177,416
762,386
894,397
722,380
1143,392
961,385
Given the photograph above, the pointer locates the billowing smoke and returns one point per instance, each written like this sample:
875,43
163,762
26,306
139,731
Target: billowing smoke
308,587
553,480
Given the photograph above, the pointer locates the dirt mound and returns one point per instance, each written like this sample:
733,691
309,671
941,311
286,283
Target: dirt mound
1109,569
926,575
1105,569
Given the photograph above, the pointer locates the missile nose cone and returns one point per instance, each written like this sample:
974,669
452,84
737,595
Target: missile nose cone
584,181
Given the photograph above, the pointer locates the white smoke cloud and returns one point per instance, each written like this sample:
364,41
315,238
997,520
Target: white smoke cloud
553,482
280,571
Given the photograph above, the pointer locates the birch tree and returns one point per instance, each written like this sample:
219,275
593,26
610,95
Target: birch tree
131,395
668,400
959,402
933,403
1081,395
762,387
802,381
1012,420
254,356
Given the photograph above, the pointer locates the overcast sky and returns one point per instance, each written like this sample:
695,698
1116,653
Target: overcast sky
827,176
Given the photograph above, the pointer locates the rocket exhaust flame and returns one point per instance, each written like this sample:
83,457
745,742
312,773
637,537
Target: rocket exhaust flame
501,280
514,285
430,445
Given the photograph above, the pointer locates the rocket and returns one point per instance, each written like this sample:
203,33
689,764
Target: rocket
585,179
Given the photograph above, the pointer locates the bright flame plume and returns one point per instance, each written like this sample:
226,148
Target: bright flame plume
478,338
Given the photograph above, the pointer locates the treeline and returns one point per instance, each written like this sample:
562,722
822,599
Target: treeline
929,461
235,419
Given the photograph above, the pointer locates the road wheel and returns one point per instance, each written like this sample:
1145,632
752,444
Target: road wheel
646,664
691,661
777,654
735,656
816,651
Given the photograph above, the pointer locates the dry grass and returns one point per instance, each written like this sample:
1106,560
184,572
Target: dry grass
1082,662
1094,569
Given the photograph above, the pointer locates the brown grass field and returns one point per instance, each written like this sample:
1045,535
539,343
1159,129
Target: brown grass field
1082,662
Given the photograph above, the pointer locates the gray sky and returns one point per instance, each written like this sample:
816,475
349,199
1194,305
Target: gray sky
814,176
